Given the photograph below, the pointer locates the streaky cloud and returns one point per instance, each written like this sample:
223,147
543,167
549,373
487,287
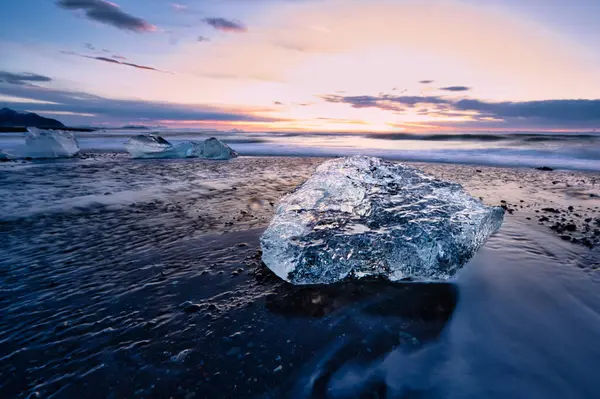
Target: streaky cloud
22,78
142,67
566,110
579,112
455,88
107,13
379,101
46,99
113,61
116,59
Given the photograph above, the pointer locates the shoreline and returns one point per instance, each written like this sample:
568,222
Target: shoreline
112,153
562,202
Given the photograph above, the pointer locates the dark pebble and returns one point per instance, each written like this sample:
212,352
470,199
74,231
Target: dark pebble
551,210
189,307
570,227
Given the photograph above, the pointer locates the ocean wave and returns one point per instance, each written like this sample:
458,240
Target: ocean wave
483,137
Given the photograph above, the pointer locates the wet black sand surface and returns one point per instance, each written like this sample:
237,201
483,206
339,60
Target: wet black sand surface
123,278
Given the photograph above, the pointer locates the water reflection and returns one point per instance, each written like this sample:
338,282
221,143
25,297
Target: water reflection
365,321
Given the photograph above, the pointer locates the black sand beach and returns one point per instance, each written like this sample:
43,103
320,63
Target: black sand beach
128,278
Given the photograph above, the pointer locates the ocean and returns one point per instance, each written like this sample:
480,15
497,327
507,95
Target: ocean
555,150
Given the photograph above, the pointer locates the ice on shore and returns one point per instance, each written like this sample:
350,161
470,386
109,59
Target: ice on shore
153,146
215,149
44,144
362,216
144,145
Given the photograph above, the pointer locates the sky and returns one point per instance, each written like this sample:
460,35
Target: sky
305,65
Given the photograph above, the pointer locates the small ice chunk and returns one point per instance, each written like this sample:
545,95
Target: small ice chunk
45,144
362,216
153,146
146,145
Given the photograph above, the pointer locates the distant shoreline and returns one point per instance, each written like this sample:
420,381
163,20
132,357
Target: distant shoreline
22,129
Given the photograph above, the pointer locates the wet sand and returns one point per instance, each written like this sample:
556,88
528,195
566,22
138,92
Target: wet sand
143,279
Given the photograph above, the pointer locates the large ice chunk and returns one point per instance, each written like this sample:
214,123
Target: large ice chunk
153,146
363,216
45,144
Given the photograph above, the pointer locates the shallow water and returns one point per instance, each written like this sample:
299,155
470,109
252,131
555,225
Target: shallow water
122,278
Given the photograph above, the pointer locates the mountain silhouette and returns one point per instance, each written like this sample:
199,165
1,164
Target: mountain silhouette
12,118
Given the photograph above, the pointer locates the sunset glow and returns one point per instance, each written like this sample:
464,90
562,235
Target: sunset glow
334,65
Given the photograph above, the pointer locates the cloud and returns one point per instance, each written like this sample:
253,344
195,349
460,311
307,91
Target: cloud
115,59
178,7
548,110
142,67
383,101
277,103
107,13
563,112
292,46
203,39
112,61
455,88
225,25
426,82
344,121
113,109
22,78
93,49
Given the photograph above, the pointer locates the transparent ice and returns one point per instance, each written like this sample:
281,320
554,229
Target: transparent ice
215,149
153,146
146,145
362,216
44,144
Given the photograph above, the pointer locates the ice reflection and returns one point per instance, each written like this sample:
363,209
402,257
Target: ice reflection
365,322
